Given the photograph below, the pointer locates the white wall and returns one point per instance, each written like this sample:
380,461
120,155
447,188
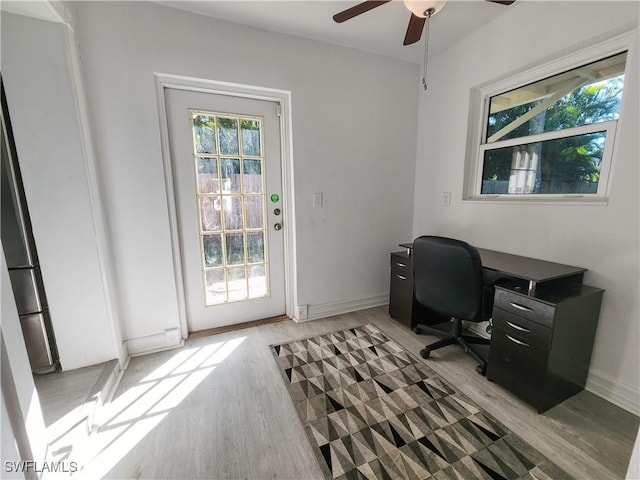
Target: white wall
42,106
354,140
603,239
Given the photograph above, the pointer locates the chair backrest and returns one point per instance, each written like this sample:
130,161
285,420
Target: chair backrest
448,277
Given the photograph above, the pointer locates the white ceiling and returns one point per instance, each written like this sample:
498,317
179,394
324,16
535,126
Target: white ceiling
380,30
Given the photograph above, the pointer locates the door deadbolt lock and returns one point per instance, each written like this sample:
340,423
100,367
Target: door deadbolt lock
277,226
276,211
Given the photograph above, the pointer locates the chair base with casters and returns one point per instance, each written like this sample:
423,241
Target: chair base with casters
454,337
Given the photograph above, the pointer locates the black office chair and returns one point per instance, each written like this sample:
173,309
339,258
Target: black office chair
448,279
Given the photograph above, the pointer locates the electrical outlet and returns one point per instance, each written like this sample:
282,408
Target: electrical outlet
303,312
317,200
446,199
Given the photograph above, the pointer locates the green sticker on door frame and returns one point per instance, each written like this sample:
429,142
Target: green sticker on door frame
275,198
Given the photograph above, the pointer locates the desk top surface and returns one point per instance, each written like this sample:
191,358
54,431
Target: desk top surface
527,268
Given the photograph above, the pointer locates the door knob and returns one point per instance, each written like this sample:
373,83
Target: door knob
277,226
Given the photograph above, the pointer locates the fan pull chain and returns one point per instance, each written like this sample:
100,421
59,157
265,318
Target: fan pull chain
429,12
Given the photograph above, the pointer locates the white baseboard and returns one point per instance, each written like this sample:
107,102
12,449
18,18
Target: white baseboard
324,310
102,393
112,383
612,390
152,343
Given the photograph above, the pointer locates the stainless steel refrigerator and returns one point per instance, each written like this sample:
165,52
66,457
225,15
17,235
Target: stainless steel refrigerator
22,258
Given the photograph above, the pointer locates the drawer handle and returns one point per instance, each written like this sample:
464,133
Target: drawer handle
518,341
401,277
518,327
520,307
401,264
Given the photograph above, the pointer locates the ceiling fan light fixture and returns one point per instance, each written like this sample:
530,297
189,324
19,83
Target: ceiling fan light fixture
420,7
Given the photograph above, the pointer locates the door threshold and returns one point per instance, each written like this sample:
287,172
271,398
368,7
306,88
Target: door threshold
237,326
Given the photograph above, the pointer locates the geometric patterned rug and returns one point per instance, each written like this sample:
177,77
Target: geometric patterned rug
371,410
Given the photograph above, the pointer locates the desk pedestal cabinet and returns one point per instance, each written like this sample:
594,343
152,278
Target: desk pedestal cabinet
401,288
541,345
402,305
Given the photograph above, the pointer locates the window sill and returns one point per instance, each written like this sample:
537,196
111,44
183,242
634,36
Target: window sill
543,200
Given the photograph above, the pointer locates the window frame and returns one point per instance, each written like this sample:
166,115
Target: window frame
479,104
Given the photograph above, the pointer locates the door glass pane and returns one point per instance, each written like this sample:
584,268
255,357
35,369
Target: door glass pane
212,250
210,214
252,176
231,204
207,175
232,212
255,247
228,136
253,211
215,286
257,281
235,248
237,284
230,171
204,134
251,138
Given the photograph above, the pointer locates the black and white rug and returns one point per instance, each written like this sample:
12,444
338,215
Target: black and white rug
372,410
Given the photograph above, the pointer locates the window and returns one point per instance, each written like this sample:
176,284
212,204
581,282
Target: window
549,136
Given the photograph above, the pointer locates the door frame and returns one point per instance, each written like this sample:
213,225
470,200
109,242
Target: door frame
283,99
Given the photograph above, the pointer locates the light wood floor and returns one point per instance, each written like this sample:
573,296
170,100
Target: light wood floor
217,408
62,392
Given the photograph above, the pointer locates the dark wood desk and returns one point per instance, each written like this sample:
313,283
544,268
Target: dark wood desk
531,270
544,323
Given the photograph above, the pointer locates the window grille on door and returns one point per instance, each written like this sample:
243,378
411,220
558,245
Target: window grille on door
229,170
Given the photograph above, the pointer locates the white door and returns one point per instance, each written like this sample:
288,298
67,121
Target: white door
226,164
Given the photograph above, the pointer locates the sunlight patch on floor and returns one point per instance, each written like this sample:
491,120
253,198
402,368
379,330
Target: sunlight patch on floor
130,417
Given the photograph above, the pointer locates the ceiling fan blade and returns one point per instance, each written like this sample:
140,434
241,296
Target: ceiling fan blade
358,9
414,30
502,2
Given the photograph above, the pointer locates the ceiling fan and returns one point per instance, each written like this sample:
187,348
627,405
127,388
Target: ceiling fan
420,11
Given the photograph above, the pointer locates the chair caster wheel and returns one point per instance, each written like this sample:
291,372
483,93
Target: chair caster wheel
424,353
481,369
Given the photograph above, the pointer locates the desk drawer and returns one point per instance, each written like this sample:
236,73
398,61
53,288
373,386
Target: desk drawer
523,330
519,368
401,275
524,306
401,286
402,267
